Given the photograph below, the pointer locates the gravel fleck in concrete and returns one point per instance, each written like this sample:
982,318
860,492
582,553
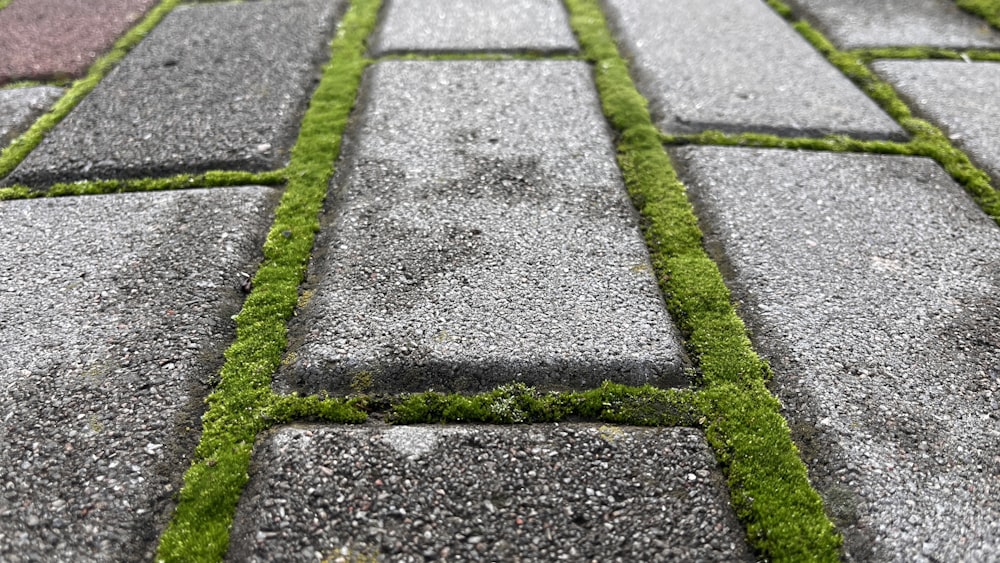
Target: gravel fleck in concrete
478,233
19,107
857,24
215,86
473,25
114,312
45,39
529,493
736,66
958,96
872,283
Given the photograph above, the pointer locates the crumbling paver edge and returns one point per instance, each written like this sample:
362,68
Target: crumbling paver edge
11,156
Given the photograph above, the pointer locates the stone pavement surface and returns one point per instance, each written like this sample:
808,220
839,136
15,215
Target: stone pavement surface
477,232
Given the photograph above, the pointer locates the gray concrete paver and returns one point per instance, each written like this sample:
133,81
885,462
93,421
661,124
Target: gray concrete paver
736,66
871,283
473,25
480,234
214,86
114,313
19,107
539,493
958,96
857,24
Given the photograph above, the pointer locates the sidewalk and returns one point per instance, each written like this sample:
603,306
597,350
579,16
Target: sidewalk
445,289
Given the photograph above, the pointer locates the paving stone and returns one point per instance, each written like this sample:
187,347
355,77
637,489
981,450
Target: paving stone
736,66
114,313
532,493
19,107
473,25
214,86
871,283
480,234
857,24
45,39
958,96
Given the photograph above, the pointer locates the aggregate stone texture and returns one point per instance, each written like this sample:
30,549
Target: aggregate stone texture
475,493
871,284
114,313
474,25
959,97
45,39
858,24
735,66
20,106
214,86
478,233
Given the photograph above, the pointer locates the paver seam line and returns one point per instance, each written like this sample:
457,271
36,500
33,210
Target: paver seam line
768,481
989,10
238,408
31,84
211,179
14,153
477,56
928,140
868,55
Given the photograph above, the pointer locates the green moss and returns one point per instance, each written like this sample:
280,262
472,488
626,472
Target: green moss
783,513
989,10
517,403
868,55
243,404
474,56
17,150
5,3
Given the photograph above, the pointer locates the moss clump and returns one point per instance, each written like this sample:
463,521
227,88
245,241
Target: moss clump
517,403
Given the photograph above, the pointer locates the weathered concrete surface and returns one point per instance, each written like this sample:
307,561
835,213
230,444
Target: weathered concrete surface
871,283
473,25
19,107
856,24
45,39
479,233
531,493
114,312
736,66
958,96
214,86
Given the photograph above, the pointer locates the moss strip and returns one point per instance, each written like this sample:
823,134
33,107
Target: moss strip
219,178
768,482
19,149
243,403
868,55
928,140
989,10
474,56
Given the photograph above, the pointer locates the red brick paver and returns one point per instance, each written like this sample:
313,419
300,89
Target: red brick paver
43,39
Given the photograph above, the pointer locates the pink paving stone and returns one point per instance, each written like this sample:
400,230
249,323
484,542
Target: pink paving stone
43,39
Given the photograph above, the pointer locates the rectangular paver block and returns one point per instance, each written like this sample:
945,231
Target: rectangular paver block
45,39
20,106
469,493
856,24
872,283
473,25
959,97
114,313
214,86
736,66
479,233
